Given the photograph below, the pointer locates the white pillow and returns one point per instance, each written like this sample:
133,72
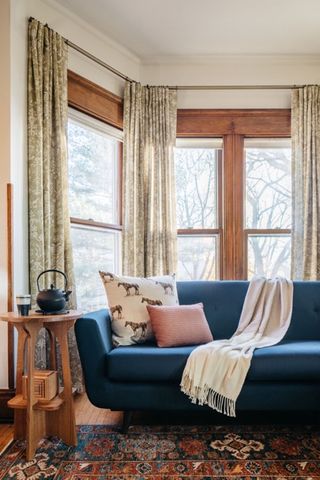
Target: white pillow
128,298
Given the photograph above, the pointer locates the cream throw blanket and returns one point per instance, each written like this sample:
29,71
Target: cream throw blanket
215,372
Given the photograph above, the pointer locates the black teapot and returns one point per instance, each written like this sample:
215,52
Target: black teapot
53,300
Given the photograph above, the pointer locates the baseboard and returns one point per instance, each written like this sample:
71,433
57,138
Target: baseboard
6,413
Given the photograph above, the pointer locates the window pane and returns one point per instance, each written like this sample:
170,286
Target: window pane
93,250
269,255
197,257
268,187
196,180
93,158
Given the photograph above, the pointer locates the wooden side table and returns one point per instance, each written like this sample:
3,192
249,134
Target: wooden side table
32,419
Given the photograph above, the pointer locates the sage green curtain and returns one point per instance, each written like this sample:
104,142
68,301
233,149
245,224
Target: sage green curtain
306,183
149,202
49,224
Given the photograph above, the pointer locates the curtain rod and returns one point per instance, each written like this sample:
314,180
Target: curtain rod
97,60
175,87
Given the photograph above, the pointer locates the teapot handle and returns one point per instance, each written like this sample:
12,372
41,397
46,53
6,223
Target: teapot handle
53,270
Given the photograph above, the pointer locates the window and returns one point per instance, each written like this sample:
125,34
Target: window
198,167
268,207
246,228
233,183
94,200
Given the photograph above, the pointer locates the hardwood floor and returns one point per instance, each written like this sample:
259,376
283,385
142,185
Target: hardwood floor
86,414
6,436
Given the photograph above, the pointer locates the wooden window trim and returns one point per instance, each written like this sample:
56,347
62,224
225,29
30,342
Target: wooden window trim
198,231
267,231
88,97
255,123
234,125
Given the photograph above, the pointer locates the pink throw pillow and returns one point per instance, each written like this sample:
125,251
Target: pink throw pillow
179,325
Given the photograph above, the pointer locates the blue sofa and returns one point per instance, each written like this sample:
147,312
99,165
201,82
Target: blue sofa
145,377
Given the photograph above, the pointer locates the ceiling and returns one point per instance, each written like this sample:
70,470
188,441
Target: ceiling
153,28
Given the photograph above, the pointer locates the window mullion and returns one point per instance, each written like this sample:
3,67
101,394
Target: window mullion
233,237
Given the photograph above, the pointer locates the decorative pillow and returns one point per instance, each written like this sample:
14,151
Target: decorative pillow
128,298
179,325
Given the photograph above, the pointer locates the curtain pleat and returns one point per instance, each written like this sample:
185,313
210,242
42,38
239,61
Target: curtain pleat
305,120
49,221
149,215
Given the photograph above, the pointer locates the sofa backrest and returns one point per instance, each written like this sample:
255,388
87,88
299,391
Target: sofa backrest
223,302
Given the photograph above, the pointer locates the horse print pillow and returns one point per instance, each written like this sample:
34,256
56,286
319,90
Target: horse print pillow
128,298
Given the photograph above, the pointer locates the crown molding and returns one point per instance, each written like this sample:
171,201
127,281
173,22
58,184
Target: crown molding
204,60
92,30
230,59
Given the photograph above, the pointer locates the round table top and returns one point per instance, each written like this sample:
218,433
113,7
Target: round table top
14,317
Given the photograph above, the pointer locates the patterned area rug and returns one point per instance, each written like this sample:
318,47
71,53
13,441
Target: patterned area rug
172,453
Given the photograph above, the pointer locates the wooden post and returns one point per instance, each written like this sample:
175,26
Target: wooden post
10,276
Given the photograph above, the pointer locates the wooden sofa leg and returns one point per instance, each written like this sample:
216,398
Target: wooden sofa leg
127,417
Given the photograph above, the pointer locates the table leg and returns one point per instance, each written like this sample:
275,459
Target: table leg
19,414
53,357
62,422
36,425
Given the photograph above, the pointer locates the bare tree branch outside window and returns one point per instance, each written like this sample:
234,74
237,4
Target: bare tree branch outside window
268,206
93,193
196,174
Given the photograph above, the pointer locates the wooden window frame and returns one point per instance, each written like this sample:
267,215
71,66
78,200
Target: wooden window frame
102,225
92,100
218,231
88,97
234,126
258,231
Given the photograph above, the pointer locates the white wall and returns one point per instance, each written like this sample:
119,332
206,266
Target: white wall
79,32
233,70
4,173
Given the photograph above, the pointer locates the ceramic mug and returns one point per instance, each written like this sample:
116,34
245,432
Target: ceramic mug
23,304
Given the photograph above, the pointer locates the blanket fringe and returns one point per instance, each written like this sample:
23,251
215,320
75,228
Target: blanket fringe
207,396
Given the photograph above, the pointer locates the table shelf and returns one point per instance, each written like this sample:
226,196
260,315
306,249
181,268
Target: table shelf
17,402
50,406
21,403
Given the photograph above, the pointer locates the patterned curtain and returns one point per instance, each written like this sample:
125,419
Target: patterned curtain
49,229
306,183
149,216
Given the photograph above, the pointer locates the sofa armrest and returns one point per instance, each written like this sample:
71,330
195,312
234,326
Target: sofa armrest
93,334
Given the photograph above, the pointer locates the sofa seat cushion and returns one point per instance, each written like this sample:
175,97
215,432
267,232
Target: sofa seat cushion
139,363
289,361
